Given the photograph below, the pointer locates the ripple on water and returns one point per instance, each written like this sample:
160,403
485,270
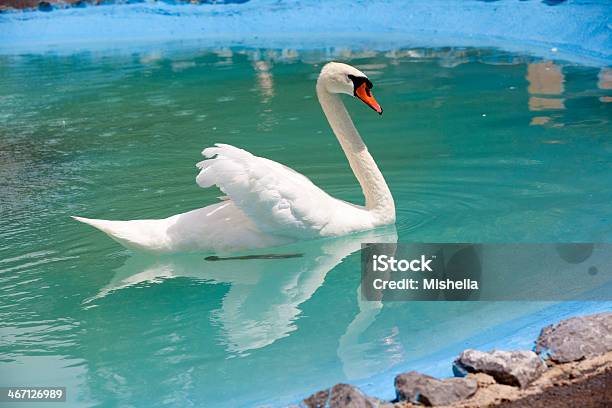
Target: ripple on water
117,137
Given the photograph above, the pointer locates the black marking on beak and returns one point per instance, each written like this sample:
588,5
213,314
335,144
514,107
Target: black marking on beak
358,81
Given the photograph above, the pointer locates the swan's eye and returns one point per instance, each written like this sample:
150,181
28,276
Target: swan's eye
360,80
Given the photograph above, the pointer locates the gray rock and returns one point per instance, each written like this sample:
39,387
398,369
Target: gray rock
340,396
316,400
517,368
422,389
576,338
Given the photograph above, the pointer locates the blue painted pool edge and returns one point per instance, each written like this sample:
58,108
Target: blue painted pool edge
517,334
576,31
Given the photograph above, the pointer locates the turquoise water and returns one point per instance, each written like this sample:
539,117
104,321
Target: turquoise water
476,145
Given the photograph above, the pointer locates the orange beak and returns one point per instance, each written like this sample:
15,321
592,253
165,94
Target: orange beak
363,93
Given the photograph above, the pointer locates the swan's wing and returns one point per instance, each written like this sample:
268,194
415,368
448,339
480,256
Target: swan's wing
276,198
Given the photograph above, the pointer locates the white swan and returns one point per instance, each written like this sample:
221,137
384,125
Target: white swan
267,203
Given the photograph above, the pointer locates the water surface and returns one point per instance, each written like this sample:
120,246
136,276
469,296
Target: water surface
476,145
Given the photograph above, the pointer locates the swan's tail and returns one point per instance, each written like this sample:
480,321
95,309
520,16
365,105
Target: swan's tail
147,235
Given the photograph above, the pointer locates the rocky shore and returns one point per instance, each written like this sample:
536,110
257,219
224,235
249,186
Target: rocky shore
42,4
50,4
571,366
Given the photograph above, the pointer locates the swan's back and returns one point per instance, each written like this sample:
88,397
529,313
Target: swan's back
218,228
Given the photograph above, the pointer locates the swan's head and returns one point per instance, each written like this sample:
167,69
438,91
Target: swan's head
341,78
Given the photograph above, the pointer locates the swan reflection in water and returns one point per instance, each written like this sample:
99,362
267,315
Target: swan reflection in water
265,295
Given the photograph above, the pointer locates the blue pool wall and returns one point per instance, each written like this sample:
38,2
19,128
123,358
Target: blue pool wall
578,31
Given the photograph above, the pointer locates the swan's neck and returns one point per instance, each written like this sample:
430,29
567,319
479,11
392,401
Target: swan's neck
378,198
